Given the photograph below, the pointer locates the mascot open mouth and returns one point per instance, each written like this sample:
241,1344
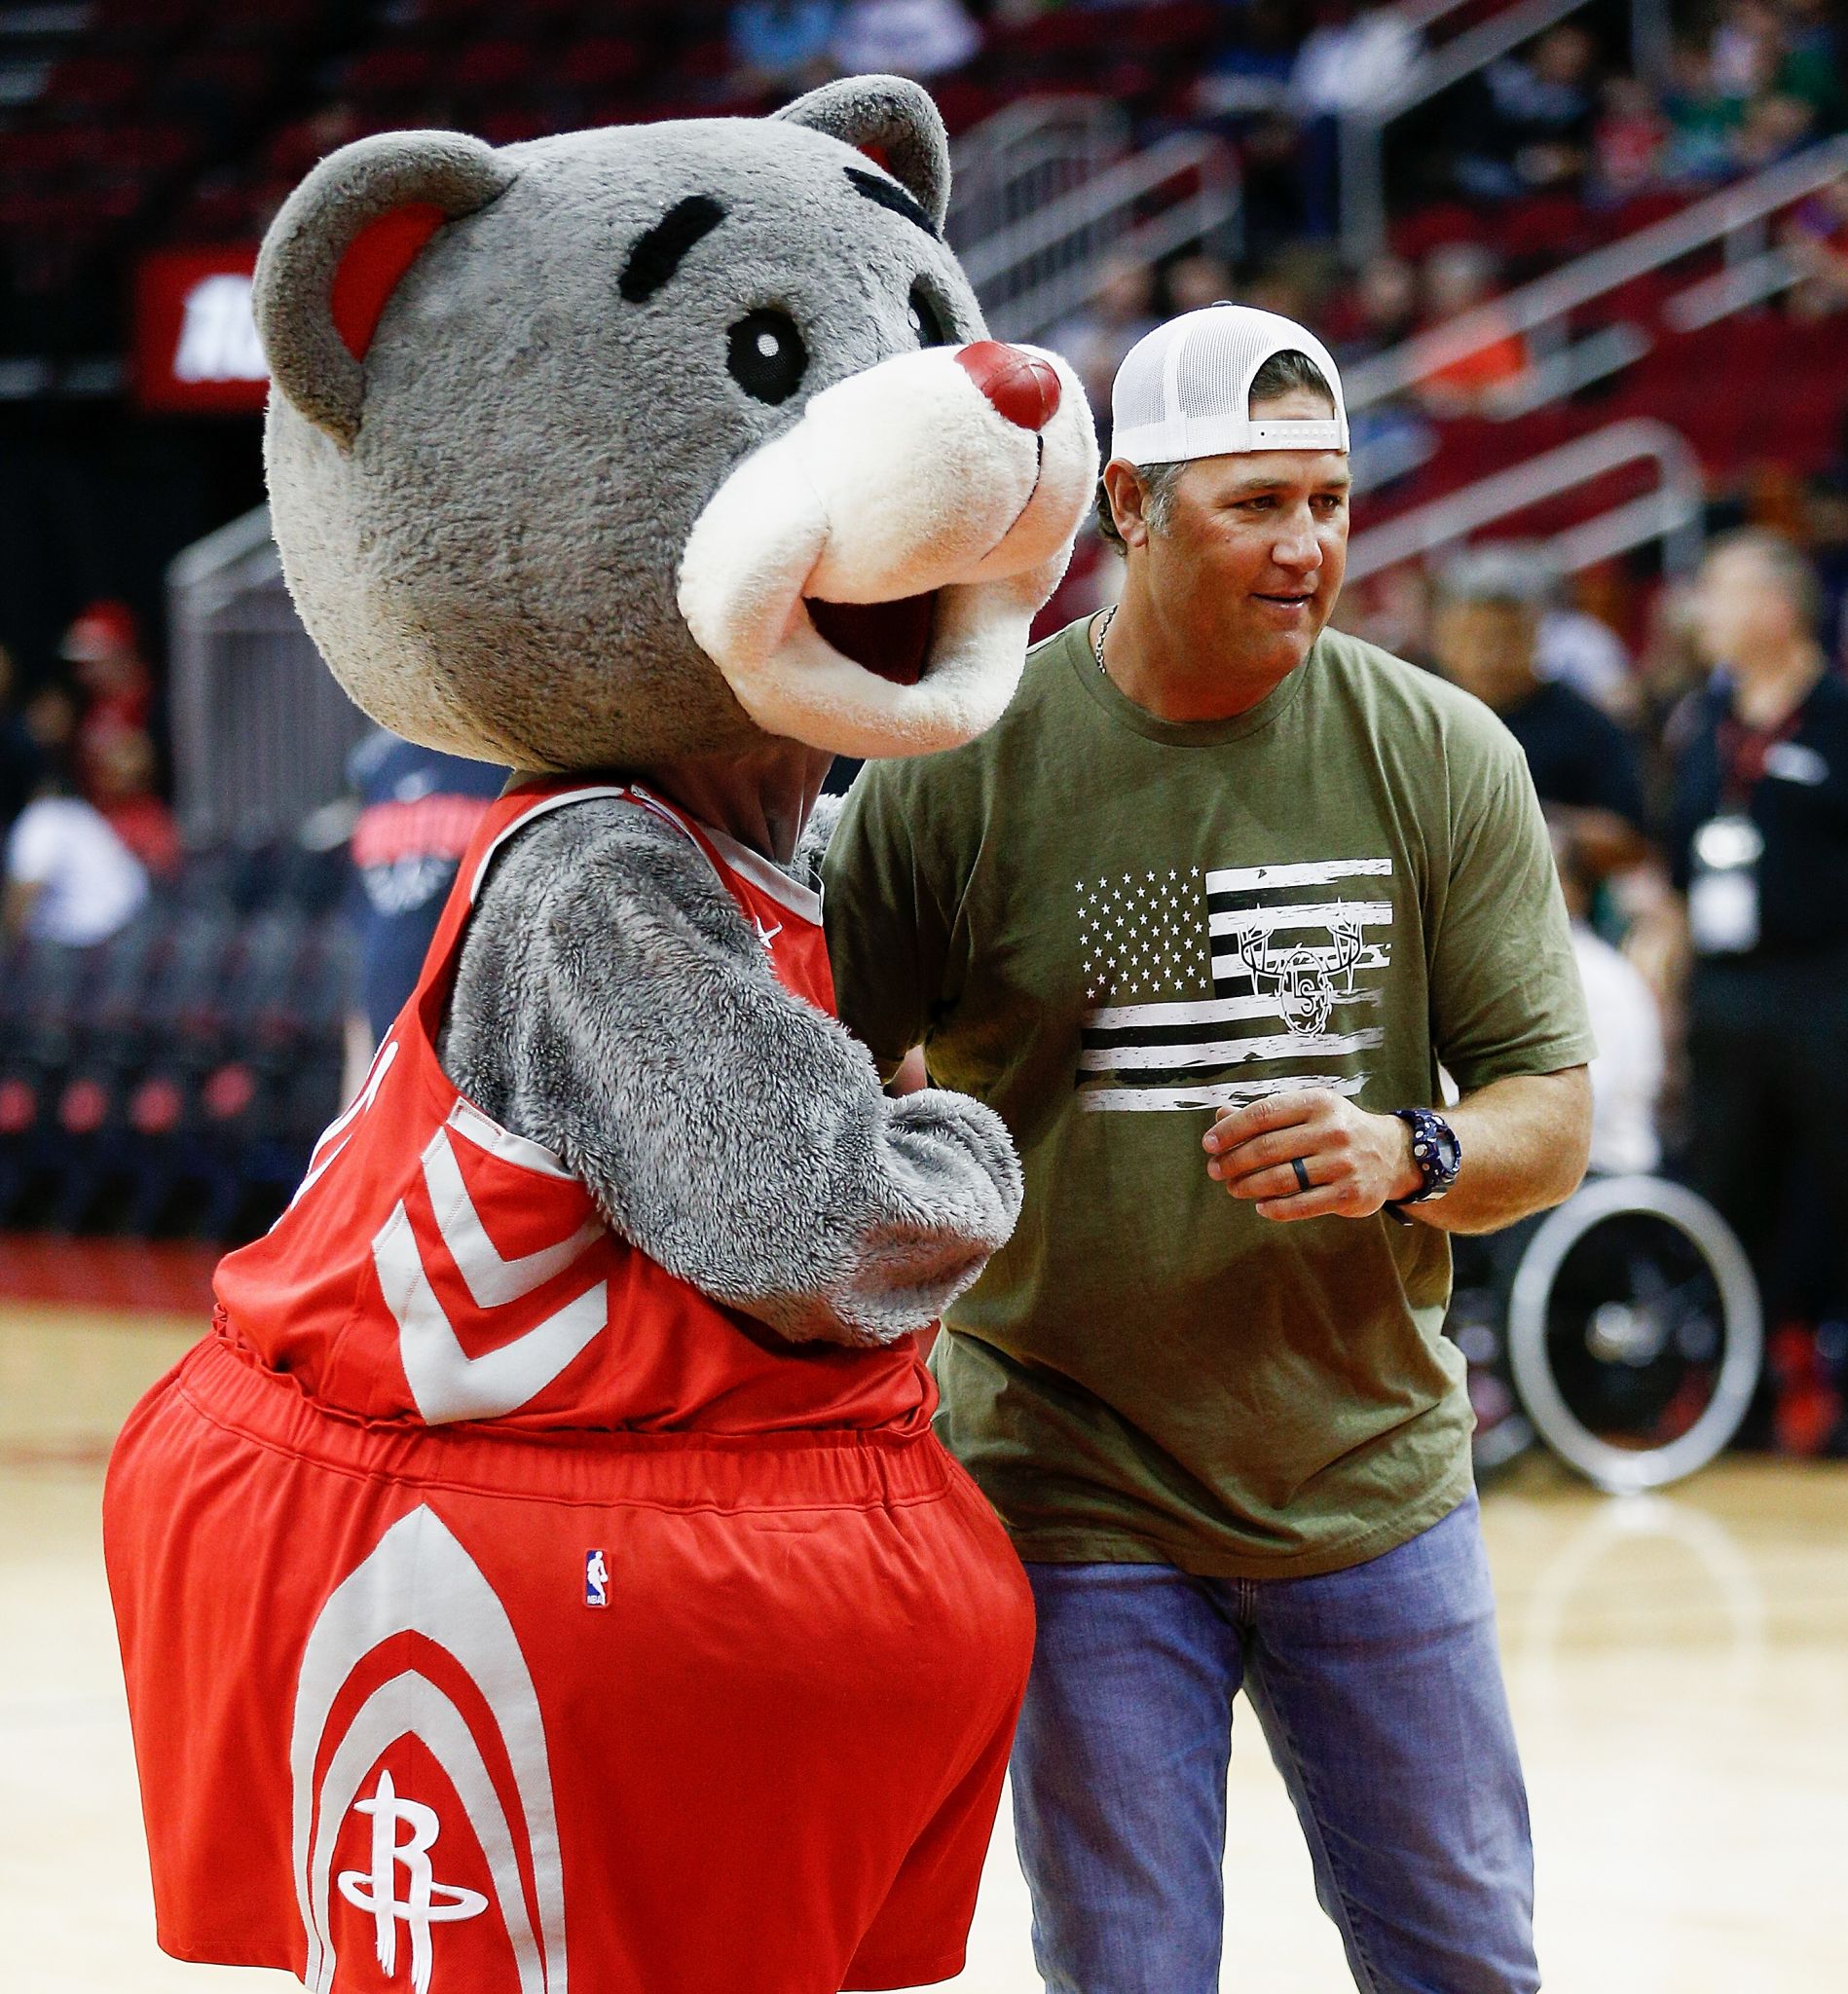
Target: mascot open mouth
866,579
890,639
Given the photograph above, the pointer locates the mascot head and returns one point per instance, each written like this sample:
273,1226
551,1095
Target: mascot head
656,440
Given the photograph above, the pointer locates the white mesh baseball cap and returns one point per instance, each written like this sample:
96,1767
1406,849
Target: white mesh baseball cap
1184,390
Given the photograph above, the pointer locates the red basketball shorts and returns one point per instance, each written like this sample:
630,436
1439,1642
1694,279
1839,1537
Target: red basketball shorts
614,1714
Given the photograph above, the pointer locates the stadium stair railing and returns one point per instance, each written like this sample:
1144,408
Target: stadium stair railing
1670,513
1735,222
1050,199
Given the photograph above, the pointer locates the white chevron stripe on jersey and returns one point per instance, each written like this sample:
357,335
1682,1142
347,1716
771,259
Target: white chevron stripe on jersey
447,1383
491,1280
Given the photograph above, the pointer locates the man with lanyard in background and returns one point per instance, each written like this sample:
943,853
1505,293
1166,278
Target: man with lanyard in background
1760,846
1219,862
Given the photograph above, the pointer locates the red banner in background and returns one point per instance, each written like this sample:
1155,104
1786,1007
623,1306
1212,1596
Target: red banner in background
196,345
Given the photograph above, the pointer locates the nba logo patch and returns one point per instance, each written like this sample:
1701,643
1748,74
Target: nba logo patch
596,1580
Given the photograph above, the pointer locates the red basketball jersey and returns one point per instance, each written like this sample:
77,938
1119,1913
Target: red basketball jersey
437,1266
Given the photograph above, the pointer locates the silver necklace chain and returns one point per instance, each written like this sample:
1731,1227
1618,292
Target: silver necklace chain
1103,631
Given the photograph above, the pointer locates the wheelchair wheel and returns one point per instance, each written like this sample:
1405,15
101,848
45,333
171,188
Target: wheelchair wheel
1635,1332
1477,1326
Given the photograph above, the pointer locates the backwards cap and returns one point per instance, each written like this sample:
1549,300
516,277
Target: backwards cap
1184,390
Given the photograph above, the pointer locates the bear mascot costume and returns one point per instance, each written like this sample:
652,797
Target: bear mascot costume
545,1578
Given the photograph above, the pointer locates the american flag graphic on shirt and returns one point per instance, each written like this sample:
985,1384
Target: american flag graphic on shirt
1214,988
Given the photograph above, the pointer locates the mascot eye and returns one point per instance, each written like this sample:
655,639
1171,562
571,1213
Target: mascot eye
767,358
926,320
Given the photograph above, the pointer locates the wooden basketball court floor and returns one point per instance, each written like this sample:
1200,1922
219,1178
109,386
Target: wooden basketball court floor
1678,1668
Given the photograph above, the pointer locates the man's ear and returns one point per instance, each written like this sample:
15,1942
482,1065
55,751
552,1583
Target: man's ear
341,245
1128,498
894,122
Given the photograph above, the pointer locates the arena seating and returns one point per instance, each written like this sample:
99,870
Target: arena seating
172,1080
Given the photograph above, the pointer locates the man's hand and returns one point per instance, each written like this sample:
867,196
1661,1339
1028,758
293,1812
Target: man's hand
1354,1161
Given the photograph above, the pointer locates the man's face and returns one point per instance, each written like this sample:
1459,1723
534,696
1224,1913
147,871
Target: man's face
1487,648
1250,561
1742,608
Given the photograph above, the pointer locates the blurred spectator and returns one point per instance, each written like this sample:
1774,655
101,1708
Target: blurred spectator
903,37
122,785
1393,610
1765,82
1526,124
1095,339
1702,119
785,43
1772,129
1459,277
1746,49
1195,281
1582,650
1628,1068
1760,848
18,752
1764,55
1628,140
1815,237
1358,58
70,878
1381,310
103,648
418,810
1584,767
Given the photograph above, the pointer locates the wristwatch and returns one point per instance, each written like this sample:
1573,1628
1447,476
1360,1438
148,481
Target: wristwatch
1436,1152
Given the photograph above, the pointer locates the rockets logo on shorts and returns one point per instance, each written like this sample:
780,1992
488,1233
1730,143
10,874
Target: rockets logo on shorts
418,1579
426,1901
596,1580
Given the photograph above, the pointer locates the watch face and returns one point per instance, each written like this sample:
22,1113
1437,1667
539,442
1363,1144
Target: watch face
1436,1151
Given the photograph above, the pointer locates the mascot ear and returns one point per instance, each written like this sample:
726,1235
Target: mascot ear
339,247
894,122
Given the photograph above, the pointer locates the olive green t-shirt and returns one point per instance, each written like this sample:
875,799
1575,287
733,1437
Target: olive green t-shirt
1105,925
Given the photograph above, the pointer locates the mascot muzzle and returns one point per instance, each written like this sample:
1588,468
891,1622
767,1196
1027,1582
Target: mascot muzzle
865,580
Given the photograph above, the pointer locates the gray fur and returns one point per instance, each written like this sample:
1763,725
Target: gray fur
309,360
488,561
481,522
612,1004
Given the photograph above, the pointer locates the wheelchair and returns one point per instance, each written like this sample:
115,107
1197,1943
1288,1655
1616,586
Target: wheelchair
1623,1330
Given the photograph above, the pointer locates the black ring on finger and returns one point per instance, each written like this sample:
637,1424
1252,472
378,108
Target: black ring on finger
1302,1174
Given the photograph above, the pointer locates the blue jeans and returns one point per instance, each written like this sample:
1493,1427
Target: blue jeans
1380,1693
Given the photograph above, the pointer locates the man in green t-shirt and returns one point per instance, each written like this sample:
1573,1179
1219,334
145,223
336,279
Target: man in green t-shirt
1203,915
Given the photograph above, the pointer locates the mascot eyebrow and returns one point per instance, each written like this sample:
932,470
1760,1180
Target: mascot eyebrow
657,253
873,188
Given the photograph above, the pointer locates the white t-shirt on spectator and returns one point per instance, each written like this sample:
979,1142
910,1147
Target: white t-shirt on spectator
905,37
1580,650
1626,1075
1363,63
90,883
